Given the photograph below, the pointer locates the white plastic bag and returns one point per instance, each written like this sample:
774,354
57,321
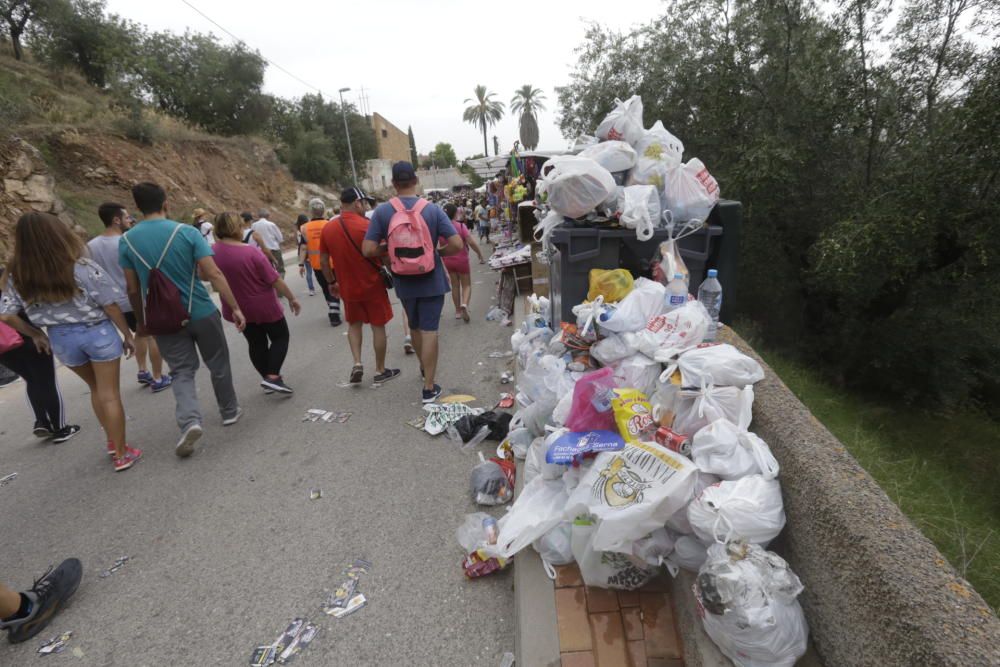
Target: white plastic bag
633,313
690,192
697,408
720,364
624,122
749,508
632,492
747,600
679,521
637,372
606,569
471,534
615,156
561,412
610,349
640,209
689,553
655,547
576,185
535,464
723,449
536,510
657,143
535,416
668,334
583,141
555,547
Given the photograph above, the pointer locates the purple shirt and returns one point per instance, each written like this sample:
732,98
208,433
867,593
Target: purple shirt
252,278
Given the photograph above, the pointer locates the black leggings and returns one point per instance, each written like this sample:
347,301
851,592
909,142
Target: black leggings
332,302
268,345
39,373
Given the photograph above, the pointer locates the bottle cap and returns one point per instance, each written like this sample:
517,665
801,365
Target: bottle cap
713,273
679,276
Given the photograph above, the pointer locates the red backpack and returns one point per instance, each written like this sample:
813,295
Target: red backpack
411,251
163,311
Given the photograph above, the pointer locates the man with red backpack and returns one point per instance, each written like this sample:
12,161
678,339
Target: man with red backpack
406,230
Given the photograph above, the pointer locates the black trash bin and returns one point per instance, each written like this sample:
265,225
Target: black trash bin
576,250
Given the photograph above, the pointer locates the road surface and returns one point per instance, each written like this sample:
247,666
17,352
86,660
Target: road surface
227,547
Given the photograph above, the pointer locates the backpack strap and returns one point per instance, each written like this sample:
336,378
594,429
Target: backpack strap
160,260
397,204
420,206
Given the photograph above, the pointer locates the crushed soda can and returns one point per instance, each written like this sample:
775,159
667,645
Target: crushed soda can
673,441
55,644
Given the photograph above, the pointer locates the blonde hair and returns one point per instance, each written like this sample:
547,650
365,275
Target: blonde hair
228,225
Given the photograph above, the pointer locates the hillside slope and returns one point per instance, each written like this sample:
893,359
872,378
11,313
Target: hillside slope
64,149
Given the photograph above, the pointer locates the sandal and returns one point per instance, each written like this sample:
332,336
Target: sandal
464,310
357,372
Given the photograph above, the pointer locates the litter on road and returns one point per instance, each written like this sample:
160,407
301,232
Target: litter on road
458,398
315,494
345,599
118,564
296,637
4,481
55,644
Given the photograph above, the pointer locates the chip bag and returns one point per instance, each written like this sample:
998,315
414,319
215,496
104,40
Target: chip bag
612,284
633,413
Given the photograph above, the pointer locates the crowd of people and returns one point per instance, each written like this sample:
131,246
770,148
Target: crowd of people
88,305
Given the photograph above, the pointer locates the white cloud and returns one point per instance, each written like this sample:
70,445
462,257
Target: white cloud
417,61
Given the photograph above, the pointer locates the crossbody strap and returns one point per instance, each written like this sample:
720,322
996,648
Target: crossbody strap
343,226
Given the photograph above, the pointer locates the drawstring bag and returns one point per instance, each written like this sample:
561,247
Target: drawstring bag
639,206
720,364
623,122
690,192
724,450
697,408
575,185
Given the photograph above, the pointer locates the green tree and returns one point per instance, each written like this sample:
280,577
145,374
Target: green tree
443,156
527,101
414,160
484,112
16,15
313,158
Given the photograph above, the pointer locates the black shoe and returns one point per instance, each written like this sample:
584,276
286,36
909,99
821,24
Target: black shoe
49,593
277,385
42,430
335,321
65,433
386,375
357,372
430,395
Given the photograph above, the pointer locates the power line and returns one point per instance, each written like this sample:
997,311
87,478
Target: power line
240,41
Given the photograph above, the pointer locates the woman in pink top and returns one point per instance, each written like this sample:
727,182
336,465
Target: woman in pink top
253,280
458,267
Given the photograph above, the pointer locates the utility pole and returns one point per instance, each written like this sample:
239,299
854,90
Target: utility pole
350,151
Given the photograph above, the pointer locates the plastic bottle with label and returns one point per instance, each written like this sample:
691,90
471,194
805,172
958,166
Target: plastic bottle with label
677,292
710,296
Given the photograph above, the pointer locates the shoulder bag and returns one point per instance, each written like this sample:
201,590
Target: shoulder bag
387,279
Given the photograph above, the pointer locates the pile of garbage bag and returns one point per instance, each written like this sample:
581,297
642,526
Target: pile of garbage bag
639,458
628,173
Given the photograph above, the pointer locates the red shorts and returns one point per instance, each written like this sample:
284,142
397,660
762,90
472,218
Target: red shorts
376,310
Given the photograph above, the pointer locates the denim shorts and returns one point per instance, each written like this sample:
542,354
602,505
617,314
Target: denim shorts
424,312
79,344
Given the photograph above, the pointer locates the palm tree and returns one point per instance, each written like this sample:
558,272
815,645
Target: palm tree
527,101
483,113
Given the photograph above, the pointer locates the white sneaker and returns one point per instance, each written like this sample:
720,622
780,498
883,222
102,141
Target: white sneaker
229,421
185,446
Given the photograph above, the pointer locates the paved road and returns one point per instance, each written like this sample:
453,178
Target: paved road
228,548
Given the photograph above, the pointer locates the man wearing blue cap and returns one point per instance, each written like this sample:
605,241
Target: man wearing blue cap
422,294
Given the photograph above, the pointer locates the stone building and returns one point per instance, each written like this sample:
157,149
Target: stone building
393,143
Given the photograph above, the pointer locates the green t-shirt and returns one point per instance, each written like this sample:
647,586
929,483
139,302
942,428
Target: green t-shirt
149,238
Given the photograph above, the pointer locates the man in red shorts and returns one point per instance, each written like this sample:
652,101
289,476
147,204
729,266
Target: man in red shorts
358,282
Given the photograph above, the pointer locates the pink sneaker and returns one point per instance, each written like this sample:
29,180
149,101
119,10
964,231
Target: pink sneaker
131,456
111,448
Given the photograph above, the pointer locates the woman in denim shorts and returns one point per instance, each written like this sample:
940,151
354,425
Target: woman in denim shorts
57,287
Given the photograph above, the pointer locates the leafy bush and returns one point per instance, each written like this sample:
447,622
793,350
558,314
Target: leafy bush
312,158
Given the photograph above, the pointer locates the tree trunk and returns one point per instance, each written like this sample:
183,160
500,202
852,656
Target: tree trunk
15,42
486,148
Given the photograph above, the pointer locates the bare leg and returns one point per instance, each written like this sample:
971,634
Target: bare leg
456,292
155,360
466,279
379,342
10,602
428,352
417,343
355,335
103,379
141,348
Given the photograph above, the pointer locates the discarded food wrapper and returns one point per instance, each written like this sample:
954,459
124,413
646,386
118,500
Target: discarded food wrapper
297,645
4,481
506,377
55,644
263,656
115,567
355,603
343,417
315,494
492,481
572,446
478,564
417,422
328,417
506,401
442,415
341,596
358,567
507,660
458,398
501,355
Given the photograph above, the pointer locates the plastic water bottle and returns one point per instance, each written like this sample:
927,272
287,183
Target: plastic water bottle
677,292
710,296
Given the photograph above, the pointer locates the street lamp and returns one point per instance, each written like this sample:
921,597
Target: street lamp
350,152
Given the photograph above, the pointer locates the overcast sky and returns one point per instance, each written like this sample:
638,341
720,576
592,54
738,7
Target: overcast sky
417,61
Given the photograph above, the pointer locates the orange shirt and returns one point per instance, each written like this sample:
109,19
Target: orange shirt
311,232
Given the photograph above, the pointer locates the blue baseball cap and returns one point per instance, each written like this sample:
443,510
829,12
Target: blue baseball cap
402,172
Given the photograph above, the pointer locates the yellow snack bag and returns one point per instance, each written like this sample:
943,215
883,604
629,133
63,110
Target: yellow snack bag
612,284
633,413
